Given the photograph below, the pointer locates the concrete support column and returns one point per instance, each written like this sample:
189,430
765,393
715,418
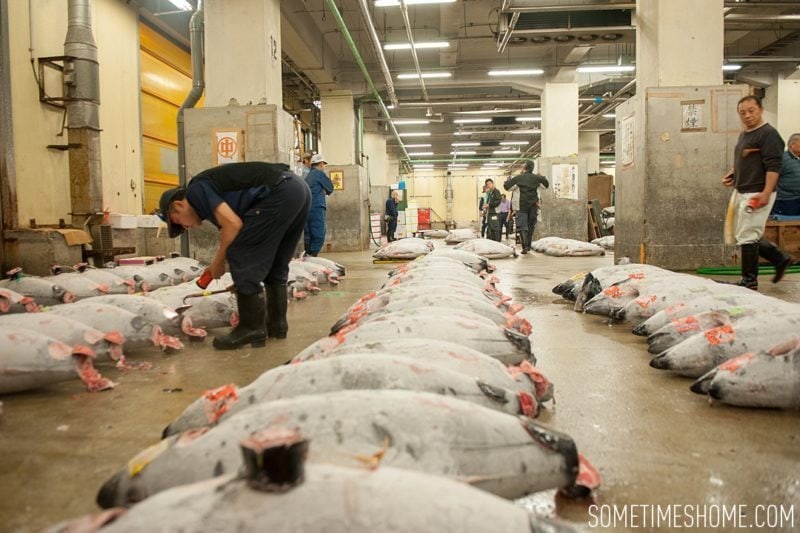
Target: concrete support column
338,124
375,150
243,52
675,139
559,119
589,147
783,96
679,43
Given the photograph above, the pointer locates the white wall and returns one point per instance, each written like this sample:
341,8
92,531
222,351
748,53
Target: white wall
789,105
338,124
43,174
427,188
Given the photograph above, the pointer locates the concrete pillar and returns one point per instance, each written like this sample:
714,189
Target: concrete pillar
589,147
559,119
375,150
783,96
679,43
338,124
243,52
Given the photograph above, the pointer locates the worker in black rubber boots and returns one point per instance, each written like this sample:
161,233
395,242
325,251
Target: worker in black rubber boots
260,210
757,164
528,183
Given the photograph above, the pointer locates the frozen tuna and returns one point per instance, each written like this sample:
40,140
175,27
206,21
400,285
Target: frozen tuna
29,360
558,247
460,235
103,276
488,248
763,379
45,292
404,249
503,454
154,312
14,302
335,267
374,371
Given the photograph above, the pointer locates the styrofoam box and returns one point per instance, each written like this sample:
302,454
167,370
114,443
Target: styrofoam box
121,221
149,221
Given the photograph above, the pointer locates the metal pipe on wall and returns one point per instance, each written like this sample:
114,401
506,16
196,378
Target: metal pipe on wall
82,97
414,56
8,212
196,26
376,43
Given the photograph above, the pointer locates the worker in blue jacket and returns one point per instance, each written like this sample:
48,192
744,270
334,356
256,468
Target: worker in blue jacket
321,186
390,216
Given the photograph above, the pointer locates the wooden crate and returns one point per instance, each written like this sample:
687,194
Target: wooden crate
785,234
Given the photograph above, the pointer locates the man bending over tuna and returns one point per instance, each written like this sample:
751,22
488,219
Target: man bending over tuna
260,210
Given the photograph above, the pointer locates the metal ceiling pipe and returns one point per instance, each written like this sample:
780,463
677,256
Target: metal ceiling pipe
569,7
733,17
82,100
410,34
363,67
501,101
196,29
376,43
612,103
759,59
760,5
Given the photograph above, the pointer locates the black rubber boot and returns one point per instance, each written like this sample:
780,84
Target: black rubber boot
523,236
250,330
774,255
277,301
749,266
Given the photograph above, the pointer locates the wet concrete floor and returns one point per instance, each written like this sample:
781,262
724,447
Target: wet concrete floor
653,441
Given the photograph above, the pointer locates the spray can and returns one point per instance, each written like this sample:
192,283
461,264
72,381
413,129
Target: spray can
752,205
205,280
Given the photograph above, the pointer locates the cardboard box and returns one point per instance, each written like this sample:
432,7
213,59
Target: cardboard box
121,221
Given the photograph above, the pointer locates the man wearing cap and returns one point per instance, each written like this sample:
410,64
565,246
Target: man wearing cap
321,186
260,209
306,161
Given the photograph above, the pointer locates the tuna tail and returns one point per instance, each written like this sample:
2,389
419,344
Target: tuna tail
661,361
641,330
618,315
107,496
588,479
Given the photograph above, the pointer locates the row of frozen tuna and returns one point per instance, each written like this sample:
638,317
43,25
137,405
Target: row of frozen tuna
61,343
743,347
424,387
559,247
413,247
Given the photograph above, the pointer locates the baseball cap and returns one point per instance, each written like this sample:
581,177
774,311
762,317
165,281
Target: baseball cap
167,198
319,158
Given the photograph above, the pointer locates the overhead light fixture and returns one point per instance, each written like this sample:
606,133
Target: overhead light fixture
403,122
497,111
461,133
464,152
529,119
525,132
513,143
458,165
517,72
183,5
506,152
731,67
390,106
467,144
415,134
609,115
418,154
392,3
606,68
417,46
417,145
414,75
472,120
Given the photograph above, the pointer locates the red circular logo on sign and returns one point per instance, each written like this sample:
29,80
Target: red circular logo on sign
226,147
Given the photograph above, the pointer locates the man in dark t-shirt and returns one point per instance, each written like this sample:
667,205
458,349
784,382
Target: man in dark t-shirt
260,209
757,164
528,183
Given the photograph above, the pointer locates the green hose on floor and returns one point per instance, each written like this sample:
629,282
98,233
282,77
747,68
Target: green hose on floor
735,271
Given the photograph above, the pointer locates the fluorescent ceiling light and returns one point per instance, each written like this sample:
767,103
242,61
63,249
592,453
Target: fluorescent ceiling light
513,143
183,5
497,111
419,153
505,152
467,144
608,163
413,75
390,106
417,46
391,3
731,67
529,119
609,115
472,120
606,68
464,152
403,122
525,132
459,133
422,165
458,165
517,72
417,145
415,134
